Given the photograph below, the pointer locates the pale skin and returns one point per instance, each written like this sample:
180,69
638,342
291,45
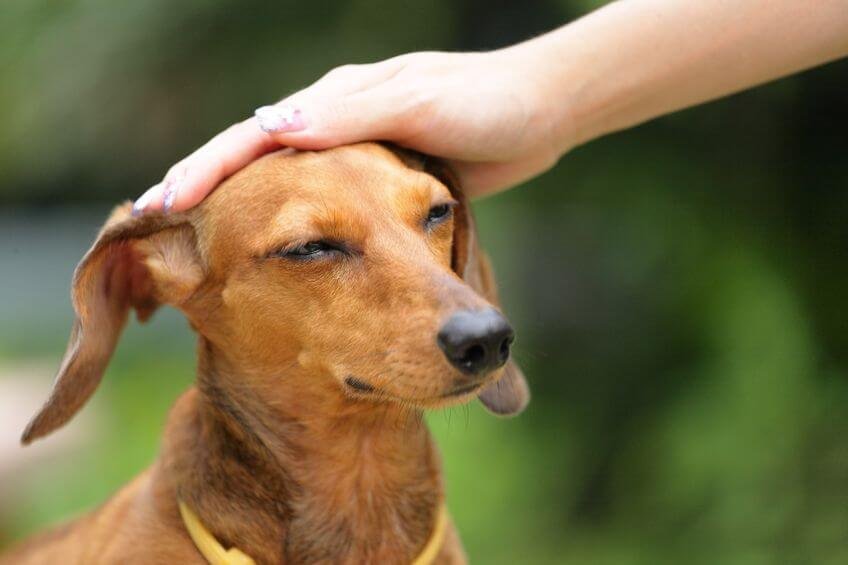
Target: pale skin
505,116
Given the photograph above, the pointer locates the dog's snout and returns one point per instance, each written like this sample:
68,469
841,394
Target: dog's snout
476,341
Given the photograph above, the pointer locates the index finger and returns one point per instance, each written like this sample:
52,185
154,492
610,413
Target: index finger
189,181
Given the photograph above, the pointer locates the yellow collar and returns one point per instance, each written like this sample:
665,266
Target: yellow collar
215,553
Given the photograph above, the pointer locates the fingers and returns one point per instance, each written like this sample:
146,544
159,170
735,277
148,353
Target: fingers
328,113
349,104
190,180
320,123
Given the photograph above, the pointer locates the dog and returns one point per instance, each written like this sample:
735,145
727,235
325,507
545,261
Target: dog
336,296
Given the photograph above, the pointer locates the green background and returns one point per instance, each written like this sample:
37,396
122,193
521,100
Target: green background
679,289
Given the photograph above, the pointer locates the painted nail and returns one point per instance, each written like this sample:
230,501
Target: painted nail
279,119
171,188
140,205
170,193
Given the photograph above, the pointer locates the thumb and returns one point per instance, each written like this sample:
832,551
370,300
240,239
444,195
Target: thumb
484,178
320,123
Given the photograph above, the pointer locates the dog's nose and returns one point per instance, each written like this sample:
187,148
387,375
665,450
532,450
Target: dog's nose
476,341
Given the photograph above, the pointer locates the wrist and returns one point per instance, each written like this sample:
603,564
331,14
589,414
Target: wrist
588,81
550,89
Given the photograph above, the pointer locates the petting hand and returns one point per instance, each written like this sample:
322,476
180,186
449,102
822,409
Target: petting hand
504,116
480,111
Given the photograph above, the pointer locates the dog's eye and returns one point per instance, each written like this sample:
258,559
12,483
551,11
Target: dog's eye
311,250
438,214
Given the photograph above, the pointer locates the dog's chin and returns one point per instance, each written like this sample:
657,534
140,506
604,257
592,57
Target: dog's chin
460,394
464,391
451,397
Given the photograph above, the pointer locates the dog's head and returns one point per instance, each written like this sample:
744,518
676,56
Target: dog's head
359,264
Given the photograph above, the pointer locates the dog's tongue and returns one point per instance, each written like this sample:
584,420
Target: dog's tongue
509,395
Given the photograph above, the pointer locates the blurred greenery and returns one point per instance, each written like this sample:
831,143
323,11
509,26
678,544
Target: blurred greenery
678,289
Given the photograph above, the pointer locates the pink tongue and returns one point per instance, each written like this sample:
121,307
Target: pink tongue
509,395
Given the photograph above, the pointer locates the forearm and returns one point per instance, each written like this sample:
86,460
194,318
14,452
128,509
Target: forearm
637,59
503,117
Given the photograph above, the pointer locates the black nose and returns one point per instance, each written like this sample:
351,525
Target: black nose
476,341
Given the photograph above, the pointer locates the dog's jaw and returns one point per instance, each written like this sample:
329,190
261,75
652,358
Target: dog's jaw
317,475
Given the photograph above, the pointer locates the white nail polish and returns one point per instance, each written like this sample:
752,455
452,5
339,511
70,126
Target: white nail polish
144,200
277,119
170,195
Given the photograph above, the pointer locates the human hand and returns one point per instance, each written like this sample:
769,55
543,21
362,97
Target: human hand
504,116
485,113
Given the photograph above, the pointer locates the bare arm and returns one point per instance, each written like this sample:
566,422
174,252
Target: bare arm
633,60
505,116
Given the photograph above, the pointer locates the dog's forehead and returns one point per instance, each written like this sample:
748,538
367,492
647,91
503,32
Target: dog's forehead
365,177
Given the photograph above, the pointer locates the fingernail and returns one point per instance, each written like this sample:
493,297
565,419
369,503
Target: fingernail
279,119
140,205
171,187
170,191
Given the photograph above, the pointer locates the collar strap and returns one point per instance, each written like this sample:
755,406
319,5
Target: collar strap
434,544
206,543
215,553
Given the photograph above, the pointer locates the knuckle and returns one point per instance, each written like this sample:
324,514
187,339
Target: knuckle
343,71
217,168
422,62
231,132
177,170
235,128
402,60
423,104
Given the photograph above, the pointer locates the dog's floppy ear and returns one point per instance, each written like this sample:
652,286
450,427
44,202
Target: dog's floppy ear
134,263
510,394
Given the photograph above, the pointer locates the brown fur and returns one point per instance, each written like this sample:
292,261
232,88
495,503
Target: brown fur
274,449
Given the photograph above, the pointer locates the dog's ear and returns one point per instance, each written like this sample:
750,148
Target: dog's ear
136,263
510,394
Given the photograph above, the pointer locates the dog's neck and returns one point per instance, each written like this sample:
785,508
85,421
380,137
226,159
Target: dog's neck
308,476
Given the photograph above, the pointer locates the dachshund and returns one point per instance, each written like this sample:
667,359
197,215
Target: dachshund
336,296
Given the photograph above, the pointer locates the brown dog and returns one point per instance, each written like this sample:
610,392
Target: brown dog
336,295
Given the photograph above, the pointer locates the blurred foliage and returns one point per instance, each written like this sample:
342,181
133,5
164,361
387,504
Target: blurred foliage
678,289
